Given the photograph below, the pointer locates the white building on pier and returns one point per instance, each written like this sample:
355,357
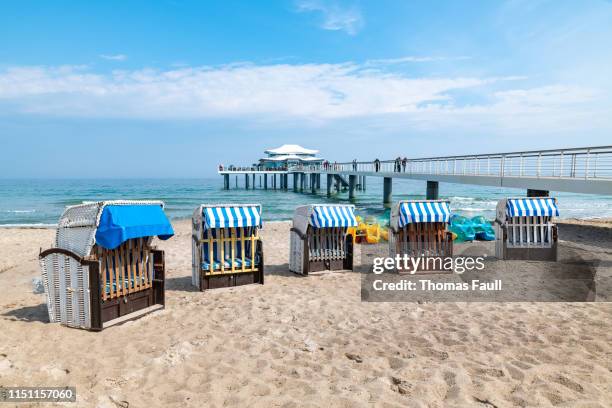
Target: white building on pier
288,155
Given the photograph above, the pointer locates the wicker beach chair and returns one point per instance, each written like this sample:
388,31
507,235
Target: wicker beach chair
525,229
419,230
103,269
319,239
226,247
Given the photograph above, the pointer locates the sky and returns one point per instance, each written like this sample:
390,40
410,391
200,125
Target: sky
172,88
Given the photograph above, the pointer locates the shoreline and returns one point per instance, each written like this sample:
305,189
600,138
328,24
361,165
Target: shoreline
604,222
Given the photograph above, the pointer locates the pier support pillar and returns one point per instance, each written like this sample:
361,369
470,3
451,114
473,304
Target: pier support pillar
265,176
363,183
313,183
318,181
274,181
352,182
537,193
253,181
432,190
329,184
246,181
295,182
302,181
387,190
226,181
236,181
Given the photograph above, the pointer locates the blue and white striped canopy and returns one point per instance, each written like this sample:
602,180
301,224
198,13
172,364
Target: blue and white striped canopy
329,216
532,207
423,211
233,216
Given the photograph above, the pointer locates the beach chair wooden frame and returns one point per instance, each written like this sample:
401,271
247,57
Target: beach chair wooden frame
319,240
228,232
91,287
419,230
525,229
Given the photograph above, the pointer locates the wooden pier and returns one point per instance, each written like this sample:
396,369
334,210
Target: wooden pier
585,170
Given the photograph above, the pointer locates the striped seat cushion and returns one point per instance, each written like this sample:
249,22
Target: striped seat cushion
228,265
125,284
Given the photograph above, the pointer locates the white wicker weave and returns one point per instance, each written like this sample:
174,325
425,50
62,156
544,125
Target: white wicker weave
301,218
326,244
296,253
196,229
65,280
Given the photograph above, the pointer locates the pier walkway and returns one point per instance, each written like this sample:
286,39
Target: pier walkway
579,170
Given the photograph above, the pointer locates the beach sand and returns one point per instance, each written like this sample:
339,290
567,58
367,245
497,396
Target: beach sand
311,341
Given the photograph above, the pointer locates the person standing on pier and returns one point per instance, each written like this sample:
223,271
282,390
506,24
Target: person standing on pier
376,165
404,162
354,164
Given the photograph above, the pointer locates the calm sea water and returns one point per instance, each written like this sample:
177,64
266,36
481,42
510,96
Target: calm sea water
31,202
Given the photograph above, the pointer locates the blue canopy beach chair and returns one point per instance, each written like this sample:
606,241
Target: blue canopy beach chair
319,239
419,230
525,229
226,247
103,267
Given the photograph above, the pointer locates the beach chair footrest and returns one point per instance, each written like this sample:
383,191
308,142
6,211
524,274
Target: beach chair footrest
327,265
531,254
230,279
118,307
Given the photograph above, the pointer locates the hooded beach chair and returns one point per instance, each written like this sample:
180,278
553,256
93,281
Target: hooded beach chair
103,269
226,247
319,239
525,229
419,230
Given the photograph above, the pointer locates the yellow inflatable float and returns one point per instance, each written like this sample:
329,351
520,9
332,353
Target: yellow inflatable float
368,232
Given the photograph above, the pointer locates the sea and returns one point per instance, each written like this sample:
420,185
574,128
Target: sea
40,202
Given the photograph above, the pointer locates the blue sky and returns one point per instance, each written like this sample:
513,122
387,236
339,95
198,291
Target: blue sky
172,88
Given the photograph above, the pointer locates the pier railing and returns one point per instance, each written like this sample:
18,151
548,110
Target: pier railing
238,169
577,163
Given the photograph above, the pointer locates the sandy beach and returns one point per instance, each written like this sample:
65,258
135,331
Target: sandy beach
299,341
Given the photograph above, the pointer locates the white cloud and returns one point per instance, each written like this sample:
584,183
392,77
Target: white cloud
307,93
318,91
335,17
408,59
115,57
519,112
547,97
